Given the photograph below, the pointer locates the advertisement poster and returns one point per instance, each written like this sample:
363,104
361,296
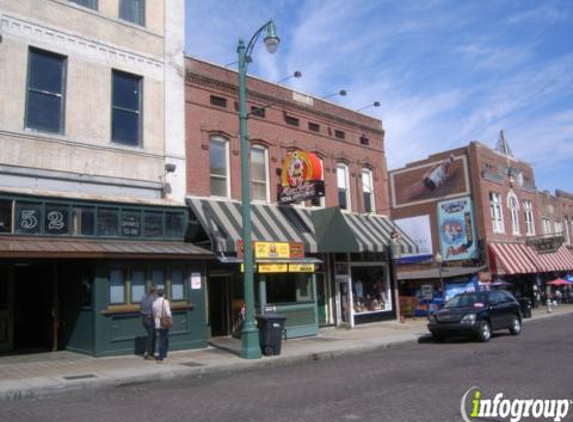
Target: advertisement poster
429,182
456,229
453,289
417,229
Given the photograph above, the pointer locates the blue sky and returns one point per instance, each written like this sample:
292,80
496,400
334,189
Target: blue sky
445,72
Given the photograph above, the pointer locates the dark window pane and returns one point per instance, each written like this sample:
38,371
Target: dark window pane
131,223
5,216
84,221
44,112
28,217
153,224
56,219
158,279
314,127
174,224
116,286
107,222
132,11
126,91
92,4
125,127
342,199
367,202
46,72
218,101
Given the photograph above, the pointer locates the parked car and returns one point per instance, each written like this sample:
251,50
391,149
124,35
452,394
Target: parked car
477,314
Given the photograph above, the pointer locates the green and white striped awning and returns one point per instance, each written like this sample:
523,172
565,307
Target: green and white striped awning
222,221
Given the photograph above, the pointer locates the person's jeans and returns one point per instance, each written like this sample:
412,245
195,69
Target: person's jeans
163,342
149,325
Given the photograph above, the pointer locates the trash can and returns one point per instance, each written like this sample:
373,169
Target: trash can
271,327
525,304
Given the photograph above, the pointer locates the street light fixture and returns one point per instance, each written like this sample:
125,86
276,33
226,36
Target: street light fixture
296,74
342,93
250,348
374,104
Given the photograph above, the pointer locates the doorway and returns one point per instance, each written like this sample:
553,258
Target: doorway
220,305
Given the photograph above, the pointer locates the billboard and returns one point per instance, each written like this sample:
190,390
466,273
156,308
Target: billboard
456,229
418,229
429,182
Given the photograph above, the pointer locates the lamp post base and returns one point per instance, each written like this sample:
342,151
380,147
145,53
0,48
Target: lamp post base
250,348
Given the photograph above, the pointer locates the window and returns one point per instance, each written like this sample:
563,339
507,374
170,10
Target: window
130,223
558,225
5,216
153,224
496,212
137,285
514,210
108,222
174,224
45,92
566,225
177,285
116,287
320,201
126,118
259,173
343,186
158,279
546,225
132,11
364,140
28,217
313,127
219,164
292,121
528,214
92,4
56,219
218,101
257,111
83,221
339,134
368,190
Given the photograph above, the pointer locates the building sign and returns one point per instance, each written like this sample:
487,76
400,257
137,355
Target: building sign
274,250
301,178
545,244
273,268
282,268
301,268
456,229
418,229
429,182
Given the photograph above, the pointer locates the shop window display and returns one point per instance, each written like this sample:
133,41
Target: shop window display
370,289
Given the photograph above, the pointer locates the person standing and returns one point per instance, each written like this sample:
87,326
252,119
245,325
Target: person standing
146,310
161,310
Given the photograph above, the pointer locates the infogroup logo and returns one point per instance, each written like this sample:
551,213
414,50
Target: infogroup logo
512,409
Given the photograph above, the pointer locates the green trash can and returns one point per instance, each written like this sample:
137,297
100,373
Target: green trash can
271,328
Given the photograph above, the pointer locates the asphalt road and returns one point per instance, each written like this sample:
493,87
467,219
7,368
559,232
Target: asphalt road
421,381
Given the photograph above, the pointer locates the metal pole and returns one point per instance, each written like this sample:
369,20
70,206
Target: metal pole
250,348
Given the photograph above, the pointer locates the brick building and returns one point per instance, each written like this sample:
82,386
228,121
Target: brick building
482,221
565,201
350,148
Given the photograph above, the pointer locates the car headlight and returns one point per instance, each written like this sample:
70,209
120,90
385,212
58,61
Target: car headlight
469,319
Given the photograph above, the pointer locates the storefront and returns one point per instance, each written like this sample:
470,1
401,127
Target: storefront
72,274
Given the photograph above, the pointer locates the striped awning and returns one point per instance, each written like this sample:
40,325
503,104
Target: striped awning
373,233
512,257
560,260
222,221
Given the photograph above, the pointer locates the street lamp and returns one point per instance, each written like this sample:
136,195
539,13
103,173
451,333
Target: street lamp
250,348
439,260
374,104
342,93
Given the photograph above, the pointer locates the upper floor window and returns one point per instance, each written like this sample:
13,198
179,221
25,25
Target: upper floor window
218,101
259,173
343,186
319,201
496,212
314,127
45,100
514,210
368,190
528,214
339,134
132,11
92,4
219,167
258,111
567,236
126,116
558,224
292,121
546,225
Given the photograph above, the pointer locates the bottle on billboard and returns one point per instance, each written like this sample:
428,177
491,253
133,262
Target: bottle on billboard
437,176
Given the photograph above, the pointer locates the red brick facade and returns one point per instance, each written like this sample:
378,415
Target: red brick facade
362,146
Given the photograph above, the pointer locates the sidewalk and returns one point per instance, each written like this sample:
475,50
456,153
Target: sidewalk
39,375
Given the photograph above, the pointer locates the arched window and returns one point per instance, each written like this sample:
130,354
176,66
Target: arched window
528,214
260,173
219,166
368,190
513,204
343,181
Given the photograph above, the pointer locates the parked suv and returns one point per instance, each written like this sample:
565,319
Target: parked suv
477,314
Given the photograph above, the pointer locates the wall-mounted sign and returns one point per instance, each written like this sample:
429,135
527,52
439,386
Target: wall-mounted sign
301,177
195,281
545,244
282,268
456,229
274,250
418,229
301,268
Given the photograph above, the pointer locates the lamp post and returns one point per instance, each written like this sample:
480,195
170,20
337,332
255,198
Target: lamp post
250,348
439,260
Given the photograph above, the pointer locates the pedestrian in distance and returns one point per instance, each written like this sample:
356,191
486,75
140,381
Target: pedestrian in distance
146,310
163,322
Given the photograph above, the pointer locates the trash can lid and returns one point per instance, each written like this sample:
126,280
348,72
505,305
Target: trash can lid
270,316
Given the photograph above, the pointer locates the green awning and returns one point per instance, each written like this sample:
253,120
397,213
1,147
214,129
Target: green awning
333,234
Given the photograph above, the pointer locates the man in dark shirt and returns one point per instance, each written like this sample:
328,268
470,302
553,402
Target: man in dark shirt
148,322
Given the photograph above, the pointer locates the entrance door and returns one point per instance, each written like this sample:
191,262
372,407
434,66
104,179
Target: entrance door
220,305
6,309
344,304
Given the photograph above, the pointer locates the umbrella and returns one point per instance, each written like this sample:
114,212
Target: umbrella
558,282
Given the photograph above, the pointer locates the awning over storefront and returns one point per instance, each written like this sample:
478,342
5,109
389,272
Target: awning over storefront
446,272
43,247
560,260
222,221
512,257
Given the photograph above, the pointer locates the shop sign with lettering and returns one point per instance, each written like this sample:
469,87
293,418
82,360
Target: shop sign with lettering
274,250
301,268
301,177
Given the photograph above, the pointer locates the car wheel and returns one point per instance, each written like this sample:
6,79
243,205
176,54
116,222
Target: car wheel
515,327
438,338
484,332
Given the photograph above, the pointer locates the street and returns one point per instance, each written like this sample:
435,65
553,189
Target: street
421,381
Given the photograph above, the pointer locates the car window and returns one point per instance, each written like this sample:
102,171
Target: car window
467,300
508,297
497,297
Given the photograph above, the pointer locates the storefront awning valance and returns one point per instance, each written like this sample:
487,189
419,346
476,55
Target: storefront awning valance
559,260
512,257
43,247
222,221
446,272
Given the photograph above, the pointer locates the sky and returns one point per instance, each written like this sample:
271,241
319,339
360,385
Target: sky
446,72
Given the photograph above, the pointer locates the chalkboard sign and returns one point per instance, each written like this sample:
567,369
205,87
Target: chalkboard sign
130,223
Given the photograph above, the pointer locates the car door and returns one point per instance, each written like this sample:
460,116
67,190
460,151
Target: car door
496,310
